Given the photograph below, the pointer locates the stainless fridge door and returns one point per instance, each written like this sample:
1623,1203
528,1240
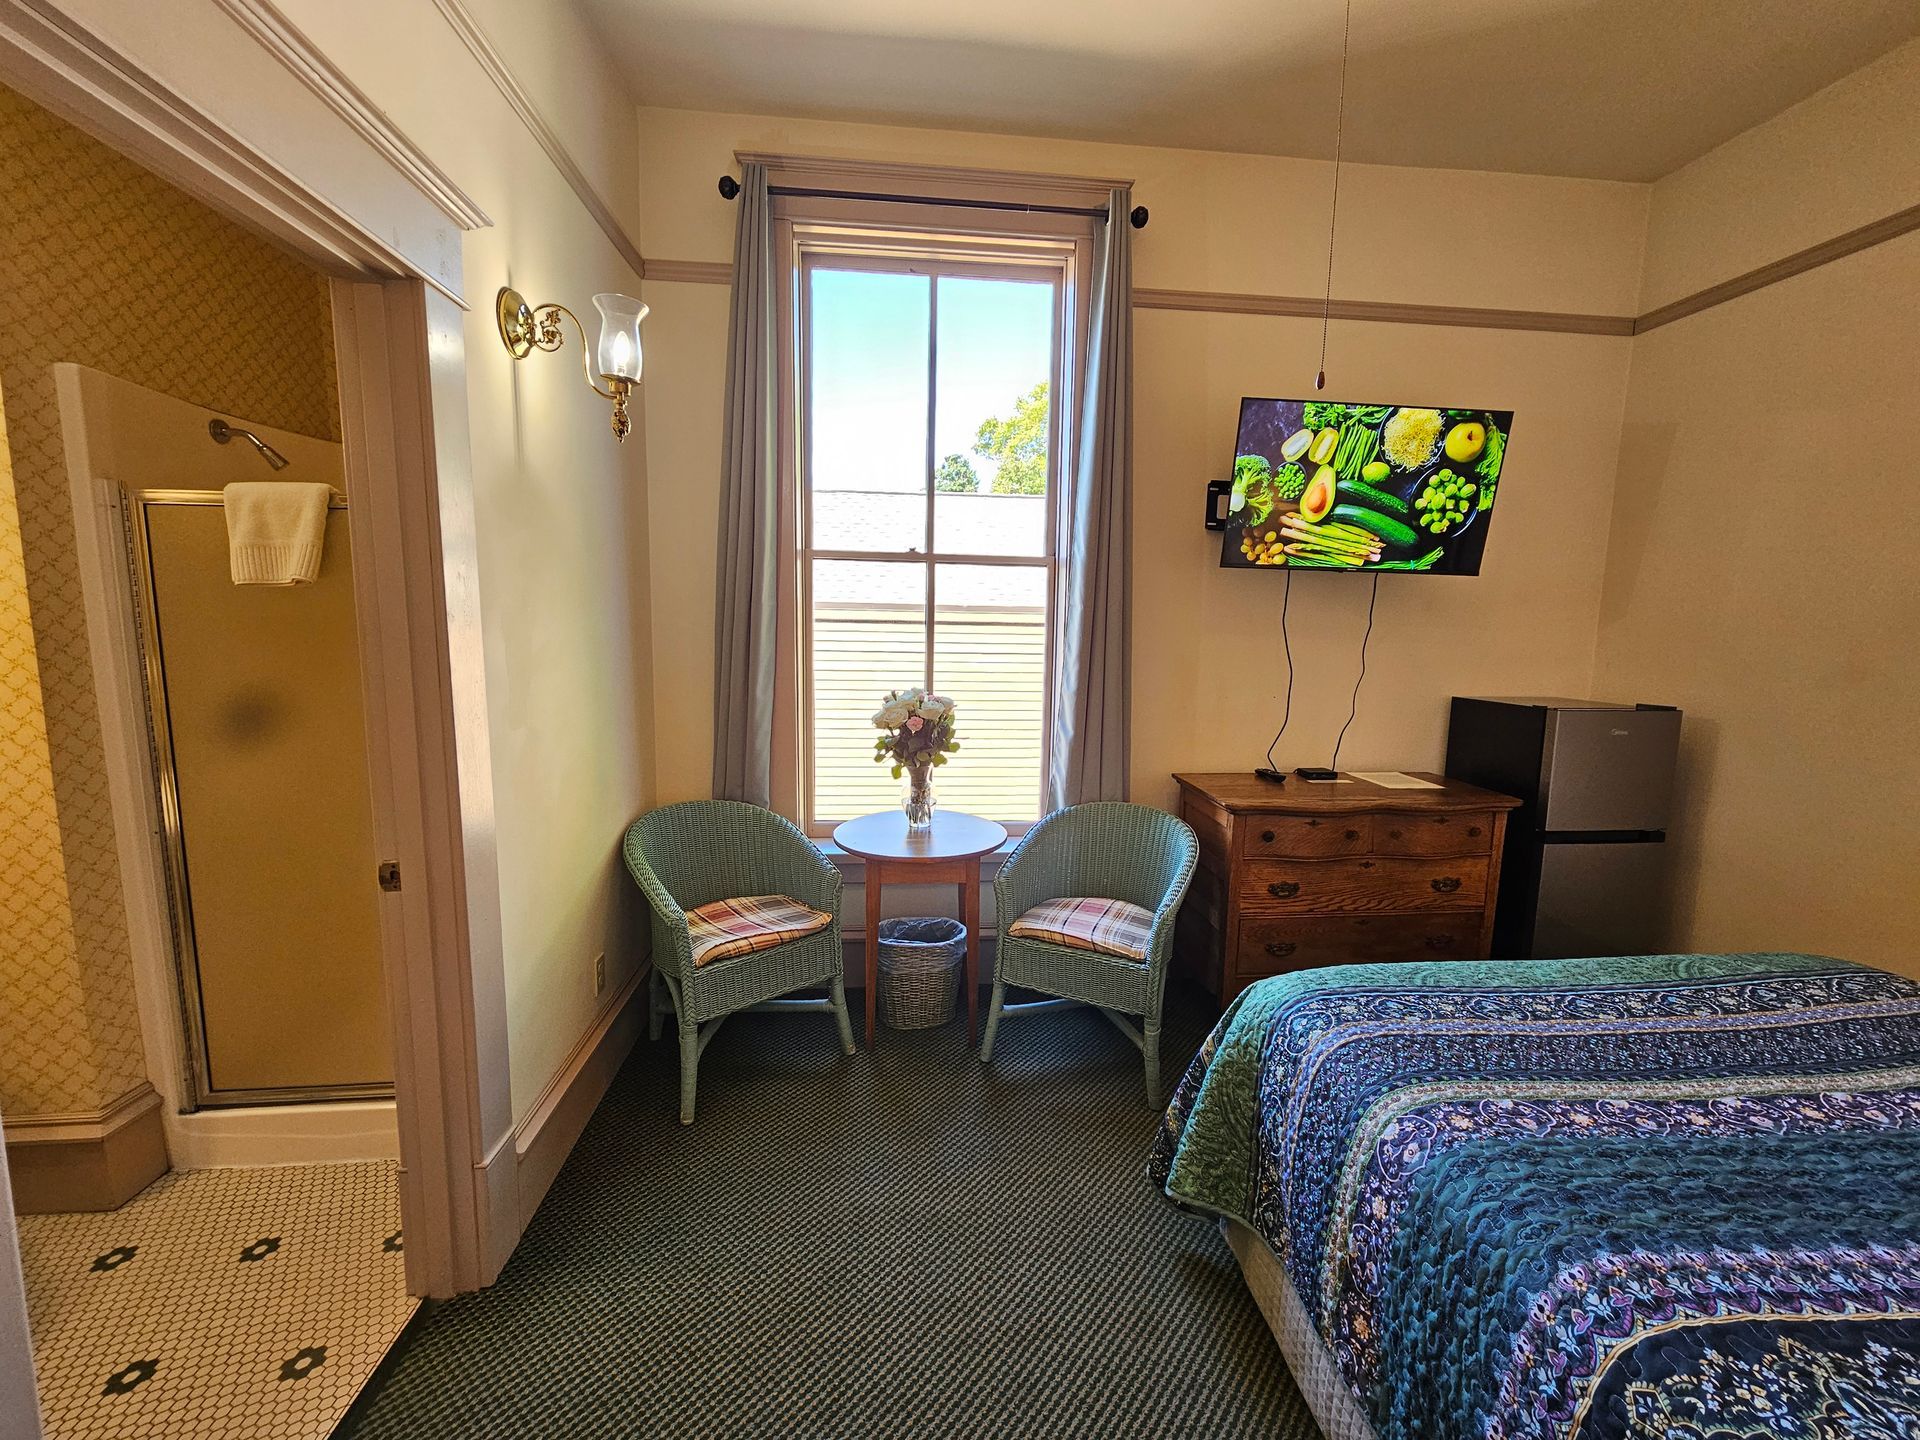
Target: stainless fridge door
1609,769
1606,898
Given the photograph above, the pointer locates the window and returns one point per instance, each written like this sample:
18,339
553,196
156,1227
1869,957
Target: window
928,376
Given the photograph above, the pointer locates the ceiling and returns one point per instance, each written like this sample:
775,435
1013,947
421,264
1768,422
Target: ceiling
1612,89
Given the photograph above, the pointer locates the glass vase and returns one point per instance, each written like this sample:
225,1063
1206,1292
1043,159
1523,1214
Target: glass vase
917,797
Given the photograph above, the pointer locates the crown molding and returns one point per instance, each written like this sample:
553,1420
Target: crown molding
282,39
60,64
482,48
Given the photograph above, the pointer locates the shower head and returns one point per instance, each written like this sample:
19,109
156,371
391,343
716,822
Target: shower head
222,432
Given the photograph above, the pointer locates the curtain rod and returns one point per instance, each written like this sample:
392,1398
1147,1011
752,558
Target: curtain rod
1137,217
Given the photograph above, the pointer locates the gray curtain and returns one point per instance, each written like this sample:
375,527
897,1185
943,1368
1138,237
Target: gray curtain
744,615
1093,690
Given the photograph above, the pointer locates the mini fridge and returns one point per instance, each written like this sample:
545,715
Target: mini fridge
1585,867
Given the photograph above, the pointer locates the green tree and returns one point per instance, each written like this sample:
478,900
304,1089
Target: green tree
956,476
1018,444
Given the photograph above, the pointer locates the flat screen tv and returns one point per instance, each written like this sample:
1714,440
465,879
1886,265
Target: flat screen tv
1333,485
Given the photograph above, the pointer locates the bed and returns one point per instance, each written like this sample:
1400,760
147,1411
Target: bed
1672,1196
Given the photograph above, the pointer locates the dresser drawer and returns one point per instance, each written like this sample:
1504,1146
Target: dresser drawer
1273,946
1362,885
1468,834
1310,836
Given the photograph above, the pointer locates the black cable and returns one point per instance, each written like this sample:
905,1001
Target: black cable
1355,709
1286,591
1333,216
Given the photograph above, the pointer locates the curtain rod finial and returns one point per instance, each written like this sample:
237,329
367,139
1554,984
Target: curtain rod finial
729,187
1137,217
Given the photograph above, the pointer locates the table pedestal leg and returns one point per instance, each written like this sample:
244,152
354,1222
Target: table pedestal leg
873,886
970,917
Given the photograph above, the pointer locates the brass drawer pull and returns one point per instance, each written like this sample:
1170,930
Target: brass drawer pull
1266,837
1353,834
1280,949
1474,831
1393,834
1446,884
1287,889
1440,942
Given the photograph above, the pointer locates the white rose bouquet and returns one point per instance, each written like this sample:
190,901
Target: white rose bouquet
919,728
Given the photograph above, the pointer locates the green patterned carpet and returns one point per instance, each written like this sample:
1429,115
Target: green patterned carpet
904,1243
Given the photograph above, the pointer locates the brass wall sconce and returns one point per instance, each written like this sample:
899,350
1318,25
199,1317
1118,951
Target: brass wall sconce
525,328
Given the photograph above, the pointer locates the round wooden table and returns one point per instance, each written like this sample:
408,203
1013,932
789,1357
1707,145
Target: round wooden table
947,853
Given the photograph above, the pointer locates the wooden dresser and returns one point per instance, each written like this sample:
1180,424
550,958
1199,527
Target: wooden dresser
1303,874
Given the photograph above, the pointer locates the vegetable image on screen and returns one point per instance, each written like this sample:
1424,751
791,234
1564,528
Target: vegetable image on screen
1329,485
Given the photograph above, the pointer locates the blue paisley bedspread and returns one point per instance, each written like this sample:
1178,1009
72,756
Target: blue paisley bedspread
1666,1196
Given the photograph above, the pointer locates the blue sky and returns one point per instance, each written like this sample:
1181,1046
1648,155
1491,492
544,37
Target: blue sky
870,370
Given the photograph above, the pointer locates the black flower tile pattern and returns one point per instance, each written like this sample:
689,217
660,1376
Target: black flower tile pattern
127,1377
304,1363
113,1259
144,1324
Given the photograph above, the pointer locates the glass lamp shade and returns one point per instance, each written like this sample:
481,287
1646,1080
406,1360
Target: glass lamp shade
618,353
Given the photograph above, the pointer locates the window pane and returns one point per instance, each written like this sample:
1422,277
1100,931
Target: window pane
867,415
869,637
992,416
990,656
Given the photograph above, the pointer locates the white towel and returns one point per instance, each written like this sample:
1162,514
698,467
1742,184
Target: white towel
275,531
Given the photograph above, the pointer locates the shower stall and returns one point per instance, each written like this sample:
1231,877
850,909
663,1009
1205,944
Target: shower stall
252,902
260,760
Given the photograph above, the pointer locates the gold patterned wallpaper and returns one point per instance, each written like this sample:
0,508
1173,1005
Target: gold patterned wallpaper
109,267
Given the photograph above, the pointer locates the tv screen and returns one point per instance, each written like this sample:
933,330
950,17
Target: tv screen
1333,485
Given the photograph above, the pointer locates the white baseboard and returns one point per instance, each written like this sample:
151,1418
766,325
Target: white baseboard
544,1139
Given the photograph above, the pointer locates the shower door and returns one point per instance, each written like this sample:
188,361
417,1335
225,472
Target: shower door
261,759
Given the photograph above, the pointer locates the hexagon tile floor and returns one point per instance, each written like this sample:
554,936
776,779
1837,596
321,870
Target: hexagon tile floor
217,1304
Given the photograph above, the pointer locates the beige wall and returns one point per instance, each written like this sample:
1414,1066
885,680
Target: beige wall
1208,678
1761,571
1842,158
107,267
1221,222
560,510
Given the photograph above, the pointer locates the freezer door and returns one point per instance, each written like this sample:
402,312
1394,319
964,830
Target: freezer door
1600,899
1609,769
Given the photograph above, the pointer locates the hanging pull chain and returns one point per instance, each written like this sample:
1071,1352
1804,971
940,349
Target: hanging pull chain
1333,218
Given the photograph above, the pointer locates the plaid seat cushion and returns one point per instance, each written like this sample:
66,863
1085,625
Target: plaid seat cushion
727,928
1112,927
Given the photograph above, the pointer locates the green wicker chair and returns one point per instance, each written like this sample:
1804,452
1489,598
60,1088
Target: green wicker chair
1110,851
685,856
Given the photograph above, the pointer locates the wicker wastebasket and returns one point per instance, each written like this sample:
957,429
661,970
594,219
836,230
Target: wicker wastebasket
919,965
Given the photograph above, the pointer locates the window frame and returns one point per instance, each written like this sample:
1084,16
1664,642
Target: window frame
902,237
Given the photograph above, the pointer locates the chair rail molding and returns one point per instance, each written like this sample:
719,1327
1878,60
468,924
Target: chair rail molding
482,48
282,39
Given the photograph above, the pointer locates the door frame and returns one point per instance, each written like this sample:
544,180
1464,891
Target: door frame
187,90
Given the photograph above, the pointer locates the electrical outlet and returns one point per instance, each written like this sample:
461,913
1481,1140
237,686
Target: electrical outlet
600,972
